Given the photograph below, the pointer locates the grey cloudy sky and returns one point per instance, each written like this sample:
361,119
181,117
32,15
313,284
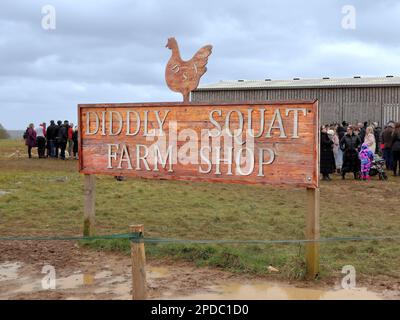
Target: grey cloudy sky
114,50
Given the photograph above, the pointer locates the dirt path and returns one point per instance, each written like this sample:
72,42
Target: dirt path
86,274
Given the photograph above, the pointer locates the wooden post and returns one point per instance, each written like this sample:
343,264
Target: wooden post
90,207
138,266
312,233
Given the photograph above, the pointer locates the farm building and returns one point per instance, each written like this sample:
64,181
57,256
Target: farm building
356,99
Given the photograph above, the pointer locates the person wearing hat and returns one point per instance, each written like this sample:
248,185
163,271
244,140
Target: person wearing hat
366,158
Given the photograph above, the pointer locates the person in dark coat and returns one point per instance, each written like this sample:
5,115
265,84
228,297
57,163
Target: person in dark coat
378,135
62,138
387,140
363,131
341,130
30,138
51,139
56,137
75,137
396,148
327,159
350,144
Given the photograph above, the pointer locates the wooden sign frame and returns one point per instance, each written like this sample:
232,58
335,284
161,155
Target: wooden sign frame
311,184
286,143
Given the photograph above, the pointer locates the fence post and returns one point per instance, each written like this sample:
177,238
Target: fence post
312,233
138,265
90,207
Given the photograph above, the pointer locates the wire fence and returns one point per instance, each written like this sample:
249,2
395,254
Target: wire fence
138,237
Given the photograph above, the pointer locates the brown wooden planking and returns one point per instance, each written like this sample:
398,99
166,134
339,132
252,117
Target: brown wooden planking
296,159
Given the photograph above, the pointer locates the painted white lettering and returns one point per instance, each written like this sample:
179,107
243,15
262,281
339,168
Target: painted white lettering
249,161
296,120
214,133
250,123
142,158
158,157
239,130
125,157
161,121
96,128
227,160
261,162
118,115
277,117
112,155
205,159
128,123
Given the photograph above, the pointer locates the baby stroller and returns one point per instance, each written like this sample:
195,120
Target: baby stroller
378,168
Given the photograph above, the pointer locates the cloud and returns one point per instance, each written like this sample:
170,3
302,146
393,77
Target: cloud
114,51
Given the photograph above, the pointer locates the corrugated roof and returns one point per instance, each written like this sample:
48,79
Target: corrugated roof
303,83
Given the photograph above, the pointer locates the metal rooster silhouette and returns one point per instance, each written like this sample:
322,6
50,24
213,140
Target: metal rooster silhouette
184,76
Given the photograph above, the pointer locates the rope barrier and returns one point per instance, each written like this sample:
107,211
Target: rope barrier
138,237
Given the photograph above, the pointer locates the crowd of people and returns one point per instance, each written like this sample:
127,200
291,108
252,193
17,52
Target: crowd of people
344,148
53,141
347,148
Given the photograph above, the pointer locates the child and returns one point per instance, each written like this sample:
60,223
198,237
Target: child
366,157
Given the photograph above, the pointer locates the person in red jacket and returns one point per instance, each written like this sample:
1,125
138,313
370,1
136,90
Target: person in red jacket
70,140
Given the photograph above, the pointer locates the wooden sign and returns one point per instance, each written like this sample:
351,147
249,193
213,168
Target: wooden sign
249,143
184,76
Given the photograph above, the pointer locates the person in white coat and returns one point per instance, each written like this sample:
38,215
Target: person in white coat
337,152
40,141
370,139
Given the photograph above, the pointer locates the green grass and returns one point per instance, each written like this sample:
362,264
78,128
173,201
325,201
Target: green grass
253,259
46,198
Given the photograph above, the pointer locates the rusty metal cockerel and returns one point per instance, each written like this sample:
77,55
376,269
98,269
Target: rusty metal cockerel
184,76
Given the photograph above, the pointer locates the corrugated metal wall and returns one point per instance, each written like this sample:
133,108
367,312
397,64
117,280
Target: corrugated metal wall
391,112
379,104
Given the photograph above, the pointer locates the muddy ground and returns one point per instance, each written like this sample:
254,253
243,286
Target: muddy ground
87,274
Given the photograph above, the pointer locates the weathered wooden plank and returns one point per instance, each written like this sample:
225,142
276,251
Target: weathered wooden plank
90,209
312,233
138,256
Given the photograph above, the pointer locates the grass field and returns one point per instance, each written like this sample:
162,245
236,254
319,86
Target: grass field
44,197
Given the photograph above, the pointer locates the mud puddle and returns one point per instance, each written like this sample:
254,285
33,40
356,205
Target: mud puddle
9,271
93,275
18,281
268,291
